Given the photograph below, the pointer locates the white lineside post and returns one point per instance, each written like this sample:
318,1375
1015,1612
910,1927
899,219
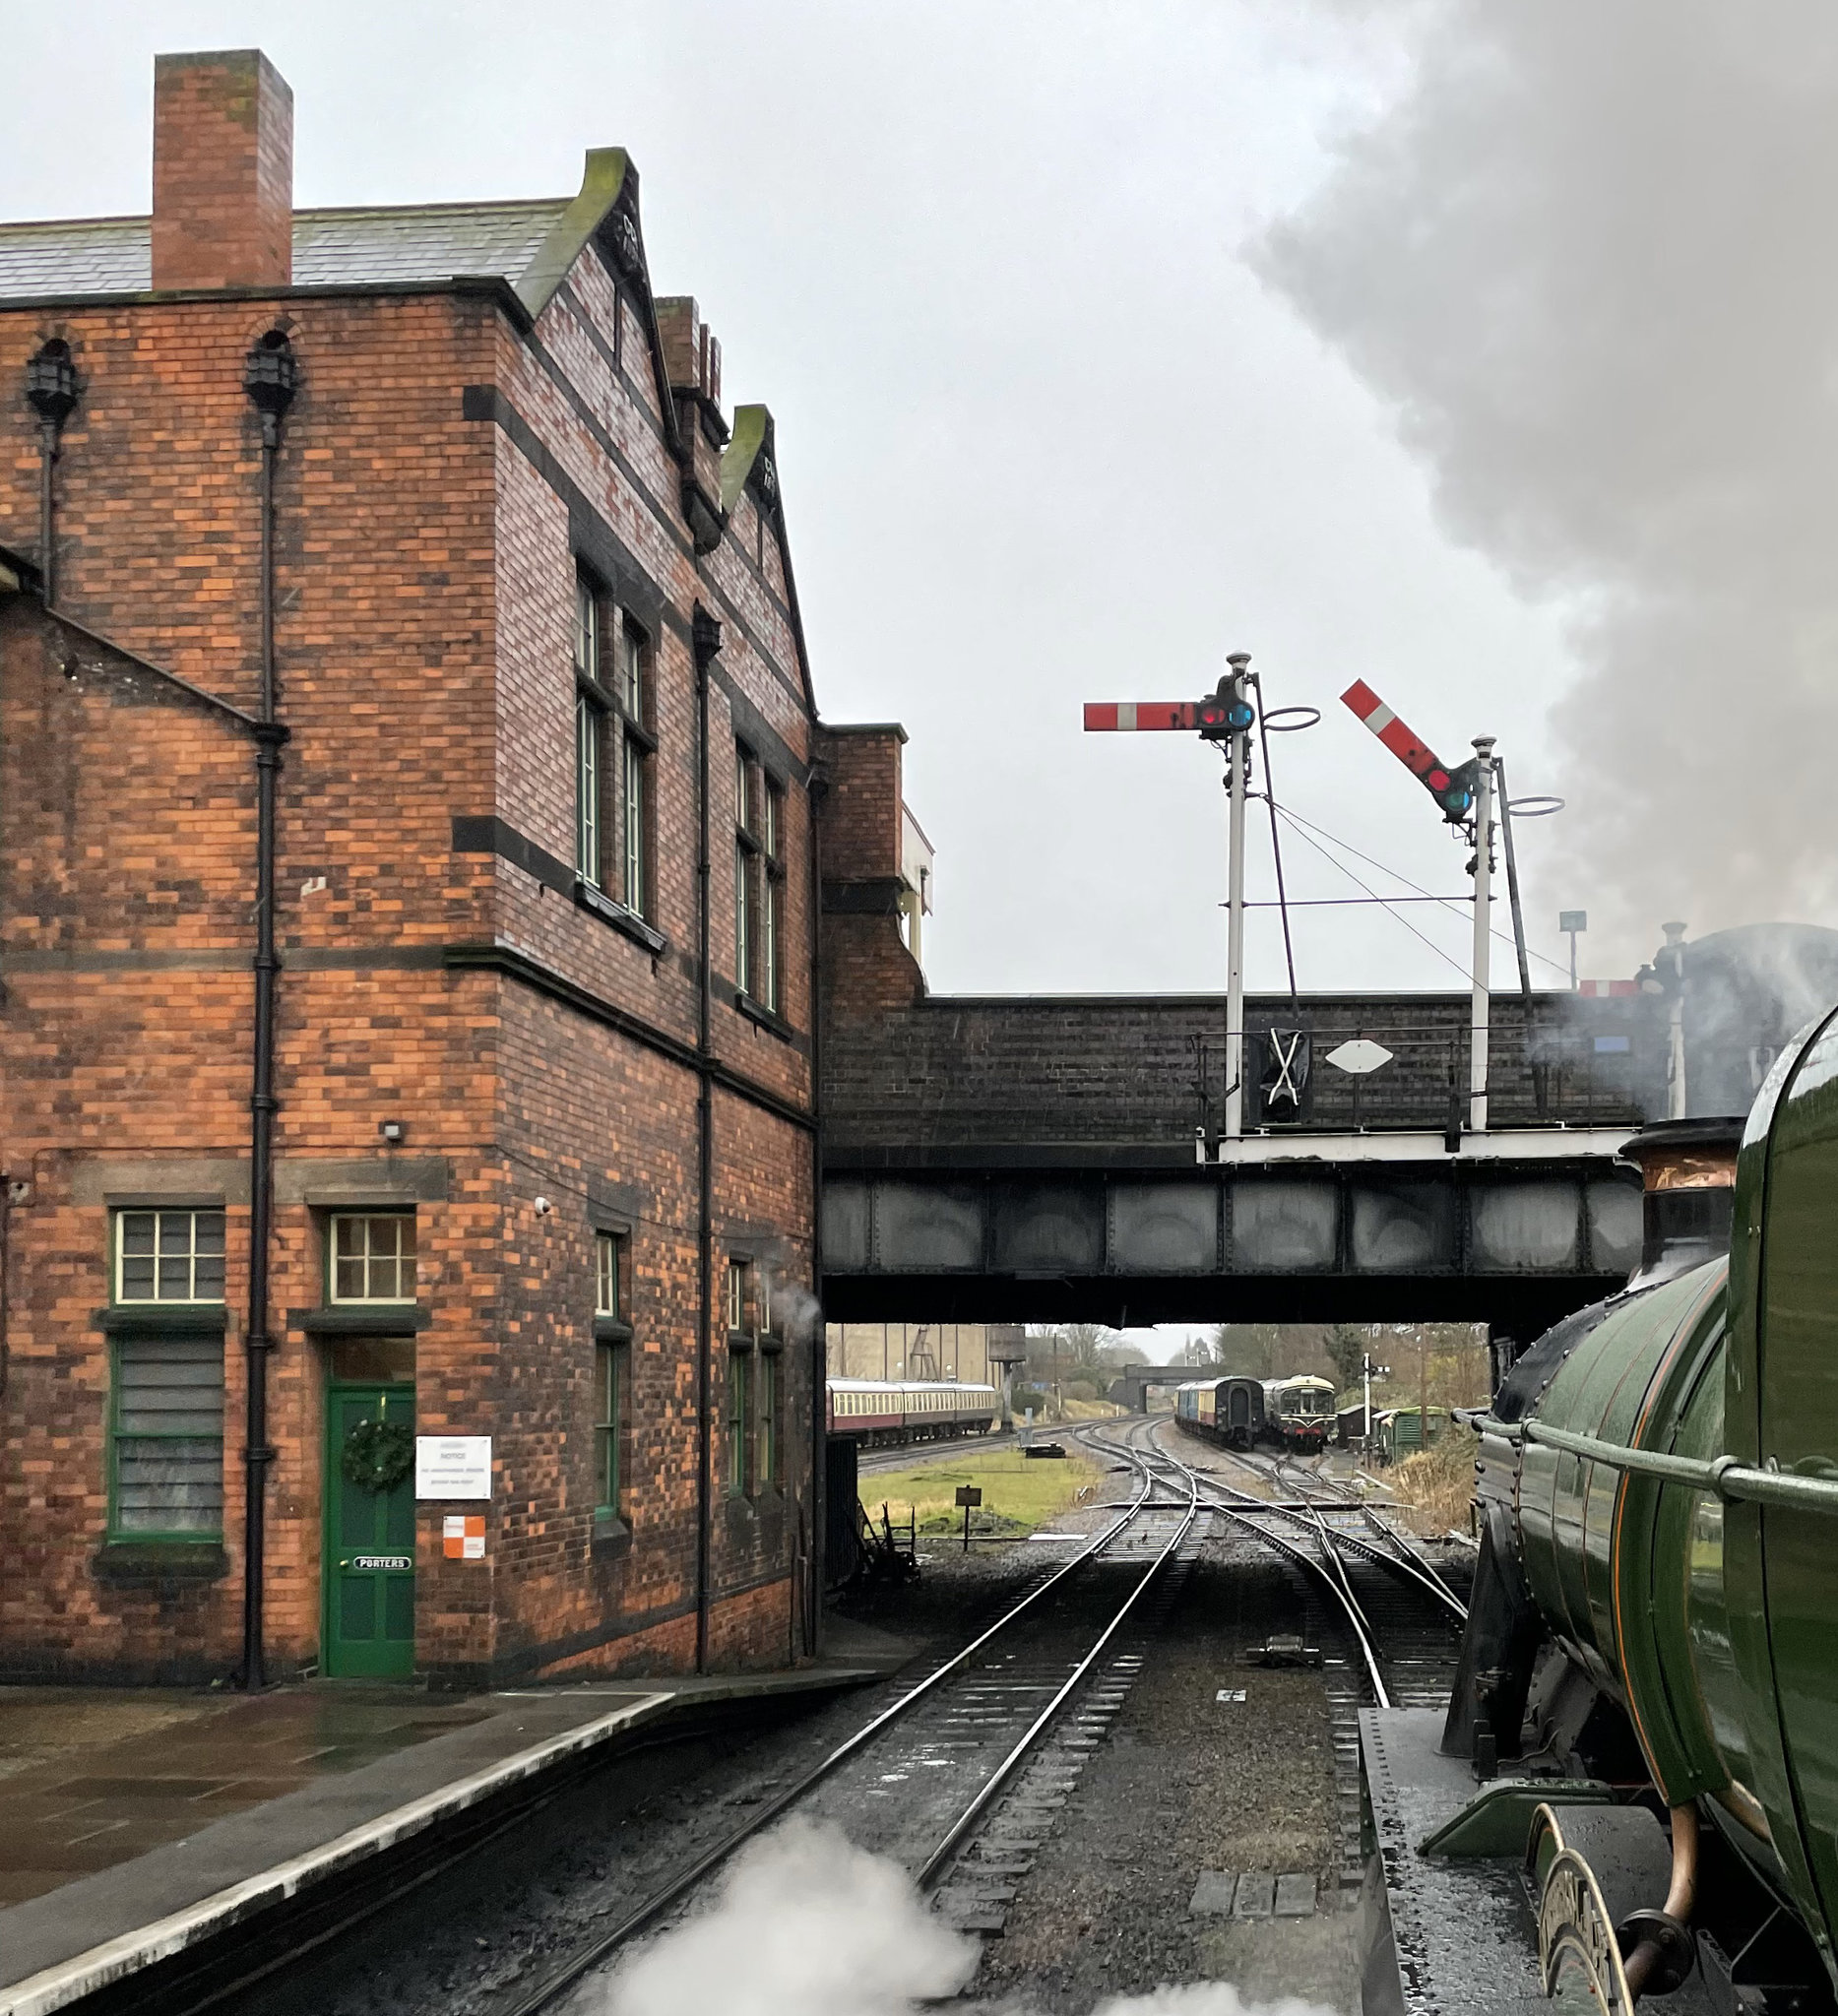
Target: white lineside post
1671,954
1239,754
1482,931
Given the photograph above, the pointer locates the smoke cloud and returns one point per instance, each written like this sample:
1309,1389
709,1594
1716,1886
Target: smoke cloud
1585,254
805,1923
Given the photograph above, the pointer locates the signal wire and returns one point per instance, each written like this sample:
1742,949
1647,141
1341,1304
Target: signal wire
1300,826
1448,902
1276,846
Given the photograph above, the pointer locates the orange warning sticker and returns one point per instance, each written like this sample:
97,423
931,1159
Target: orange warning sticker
463,1535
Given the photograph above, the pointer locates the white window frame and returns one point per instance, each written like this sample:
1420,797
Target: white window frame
367,1259
159,1214
590,732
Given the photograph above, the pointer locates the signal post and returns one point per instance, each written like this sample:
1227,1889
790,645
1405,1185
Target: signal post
1227,715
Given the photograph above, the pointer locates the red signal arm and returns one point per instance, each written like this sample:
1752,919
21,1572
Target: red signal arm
1417,757
1122,716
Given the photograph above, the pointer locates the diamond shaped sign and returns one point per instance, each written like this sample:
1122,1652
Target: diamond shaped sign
1359,1055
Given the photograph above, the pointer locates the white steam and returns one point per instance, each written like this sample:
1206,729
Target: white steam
1205,1999
805,1923
1586,256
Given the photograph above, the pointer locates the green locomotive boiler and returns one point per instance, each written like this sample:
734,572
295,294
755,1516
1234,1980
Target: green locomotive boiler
1650,1667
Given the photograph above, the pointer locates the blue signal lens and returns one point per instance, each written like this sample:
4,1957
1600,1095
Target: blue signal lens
1239,716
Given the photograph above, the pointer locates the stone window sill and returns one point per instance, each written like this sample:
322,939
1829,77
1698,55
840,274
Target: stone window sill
167,1319
768,1019
611,1536
367,1319
161,1560
620,917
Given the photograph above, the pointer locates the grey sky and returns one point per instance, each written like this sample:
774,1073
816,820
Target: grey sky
1044,435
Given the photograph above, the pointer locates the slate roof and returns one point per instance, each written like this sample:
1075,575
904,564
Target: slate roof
113,255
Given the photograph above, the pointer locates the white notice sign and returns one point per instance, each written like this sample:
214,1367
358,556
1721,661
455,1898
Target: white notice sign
452,1465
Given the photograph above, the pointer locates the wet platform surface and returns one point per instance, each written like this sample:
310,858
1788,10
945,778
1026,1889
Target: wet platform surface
74,1801
120,1850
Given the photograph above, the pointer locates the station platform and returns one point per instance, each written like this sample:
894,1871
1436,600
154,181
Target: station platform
137,1825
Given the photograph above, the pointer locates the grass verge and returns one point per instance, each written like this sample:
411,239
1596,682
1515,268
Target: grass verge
1435,1486
1019,1493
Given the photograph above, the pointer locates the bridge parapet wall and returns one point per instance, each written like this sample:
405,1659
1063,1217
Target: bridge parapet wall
1045,1073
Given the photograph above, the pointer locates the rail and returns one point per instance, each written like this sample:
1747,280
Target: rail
1356,1617
643,1915
941,1857
1405,1560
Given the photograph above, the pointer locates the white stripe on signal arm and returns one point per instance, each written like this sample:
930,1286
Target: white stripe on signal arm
1126,714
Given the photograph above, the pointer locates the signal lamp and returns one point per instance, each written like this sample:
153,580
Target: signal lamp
1454,791
1225,712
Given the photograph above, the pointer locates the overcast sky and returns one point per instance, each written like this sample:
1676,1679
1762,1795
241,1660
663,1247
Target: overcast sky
1044,435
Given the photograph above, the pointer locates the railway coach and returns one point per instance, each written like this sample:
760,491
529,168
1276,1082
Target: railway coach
1229,1411
875,1413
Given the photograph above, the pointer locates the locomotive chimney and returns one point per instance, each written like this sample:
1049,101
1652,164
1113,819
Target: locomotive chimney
1687,1193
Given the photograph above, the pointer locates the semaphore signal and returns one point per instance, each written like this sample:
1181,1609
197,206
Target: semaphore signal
1452,787
1226,715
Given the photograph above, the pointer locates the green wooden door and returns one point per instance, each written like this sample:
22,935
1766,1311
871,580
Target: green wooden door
369,1578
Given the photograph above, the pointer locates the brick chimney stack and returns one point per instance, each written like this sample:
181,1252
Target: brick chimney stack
222,172
691,354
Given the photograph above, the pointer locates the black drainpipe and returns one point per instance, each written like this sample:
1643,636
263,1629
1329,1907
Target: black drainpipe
51,389
818,1556
706,632
270,379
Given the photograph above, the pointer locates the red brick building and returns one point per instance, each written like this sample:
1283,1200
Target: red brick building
392,582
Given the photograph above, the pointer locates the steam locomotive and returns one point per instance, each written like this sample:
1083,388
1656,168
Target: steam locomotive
1648,1680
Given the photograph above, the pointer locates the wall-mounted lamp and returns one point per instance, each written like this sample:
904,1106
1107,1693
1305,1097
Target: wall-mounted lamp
395,1132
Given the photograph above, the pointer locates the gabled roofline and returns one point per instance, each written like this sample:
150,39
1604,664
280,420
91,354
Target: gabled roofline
604,176
608,184
753,438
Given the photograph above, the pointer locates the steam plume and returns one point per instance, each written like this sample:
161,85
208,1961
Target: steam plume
1587,256
808,1925
805,1925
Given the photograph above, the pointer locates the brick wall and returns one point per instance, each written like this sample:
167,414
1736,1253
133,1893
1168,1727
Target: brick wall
861,813
943,1071
442,469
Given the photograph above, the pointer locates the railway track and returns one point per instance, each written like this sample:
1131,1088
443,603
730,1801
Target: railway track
919,1780
914,1455
1401,1613
1343,1519
959,1777
947,1731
